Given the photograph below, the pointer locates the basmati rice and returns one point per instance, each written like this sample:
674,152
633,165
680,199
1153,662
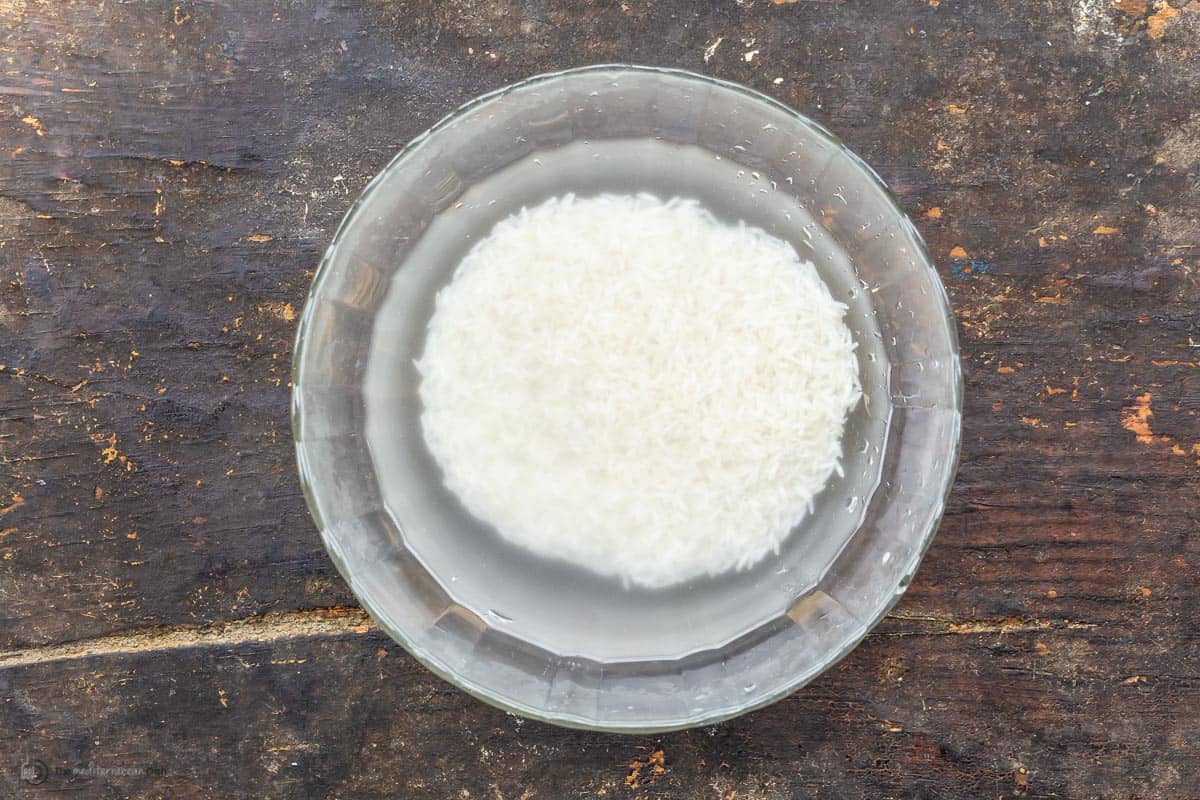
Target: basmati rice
631,385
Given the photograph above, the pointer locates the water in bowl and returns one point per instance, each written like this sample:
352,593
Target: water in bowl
550,604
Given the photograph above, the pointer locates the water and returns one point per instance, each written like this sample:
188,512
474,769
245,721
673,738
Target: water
568,609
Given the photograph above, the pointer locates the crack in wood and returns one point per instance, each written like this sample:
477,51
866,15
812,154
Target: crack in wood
343,620
266,628
944,626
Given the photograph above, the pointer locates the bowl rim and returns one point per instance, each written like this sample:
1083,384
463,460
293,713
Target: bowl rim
713,716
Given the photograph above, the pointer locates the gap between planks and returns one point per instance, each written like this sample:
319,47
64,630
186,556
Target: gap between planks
935,625
343,620
311,623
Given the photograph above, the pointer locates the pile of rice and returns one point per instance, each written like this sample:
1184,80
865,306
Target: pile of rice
633,386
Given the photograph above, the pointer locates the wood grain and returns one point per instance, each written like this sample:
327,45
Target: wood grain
169,623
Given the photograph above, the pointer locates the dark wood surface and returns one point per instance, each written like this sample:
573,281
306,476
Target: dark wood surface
170,625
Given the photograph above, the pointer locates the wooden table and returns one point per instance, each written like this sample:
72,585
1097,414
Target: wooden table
170,625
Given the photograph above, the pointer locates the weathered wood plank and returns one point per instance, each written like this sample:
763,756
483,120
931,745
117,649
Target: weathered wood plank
919,711
204,398
168,179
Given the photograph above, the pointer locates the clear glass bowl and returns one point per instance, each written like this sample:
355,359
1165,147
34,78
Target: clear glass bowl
543,638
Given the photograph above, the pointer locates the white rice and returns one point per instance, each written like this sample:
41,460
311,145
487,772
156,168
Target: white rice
637,388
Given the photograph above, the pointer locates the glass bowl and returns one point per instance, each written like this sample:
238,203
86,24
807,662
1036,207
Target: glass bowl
543,638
